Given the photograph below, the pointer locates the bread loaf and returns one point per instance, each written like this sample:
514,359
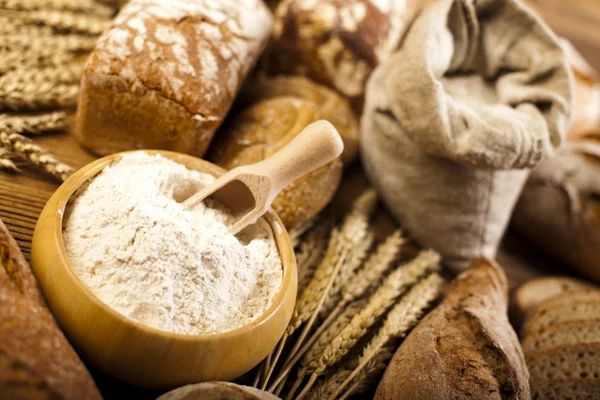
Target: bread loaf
562,196
337,43
165,73
464,349
36,361
331,106
263,129
537,290
217,391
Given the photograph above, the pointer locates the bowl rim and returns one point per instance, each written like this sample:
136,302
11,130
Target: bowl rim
89,171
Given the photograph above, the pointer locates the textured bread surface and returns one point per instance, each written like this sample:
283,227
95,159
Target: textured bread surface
580,361
217,391
465,348
261,130
536,290
566,389
566,333
542,317
36,360
165,74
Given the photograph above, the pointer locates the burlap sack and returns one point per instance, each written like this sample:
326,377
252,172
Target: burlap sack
478,93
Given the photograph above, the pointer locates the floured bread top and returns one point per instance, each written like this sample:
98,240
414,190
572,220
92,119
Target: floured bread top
195,52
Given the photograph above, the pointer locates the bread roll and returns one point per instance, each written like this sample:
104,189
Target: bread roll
559,208
464,349
217,391
36,360
165,74
263,129
337,43
331,106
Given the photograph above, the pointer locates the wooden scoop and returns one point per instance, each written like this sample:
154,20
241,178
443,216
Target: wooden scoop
248,191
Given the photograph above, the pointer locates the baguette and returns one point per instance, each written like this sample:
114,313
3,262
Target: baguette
36,360
465,348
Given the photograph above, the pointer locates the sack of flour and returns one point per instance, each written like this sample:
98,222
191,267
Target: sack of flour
478,93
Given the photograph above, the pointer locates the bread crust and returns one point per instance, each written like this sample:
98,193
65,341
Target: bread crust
465,348
36,360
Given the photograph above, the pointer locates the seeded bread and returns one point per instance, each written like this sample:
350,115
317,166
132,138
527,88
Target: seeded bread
566,333
261,130
164,75
580,361
542,317
464,349
537,290
36,360
566,389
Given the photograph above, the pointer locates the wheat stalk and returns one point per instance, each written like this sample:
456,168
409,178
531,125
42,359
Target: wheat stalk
33,58
66,74
403,317
63,21
371,371
341,245
6,162
310,251
15,26
79,6
324,389
25,148
34,124
67,43
370,275
18,96
391,288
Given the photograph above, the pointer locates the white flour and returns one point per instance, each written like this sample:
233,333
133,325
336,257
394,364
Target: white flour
134,245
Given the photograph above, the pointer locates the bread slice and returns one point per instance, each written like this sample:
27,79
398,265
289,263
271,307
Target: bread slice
533,292
566,333
573,296
580,361
561,389
542,317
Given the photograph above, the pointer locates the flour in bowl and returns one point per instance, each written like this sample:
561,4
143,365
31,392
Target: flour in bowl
131,241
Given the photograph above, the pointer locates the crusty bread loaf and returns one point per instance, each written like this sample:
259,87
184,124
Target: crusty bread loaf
464,349
580,361
217,391
562,197
337,43
566,389
537,290
261,130
36,360
165,74
566,333
542,317
331,105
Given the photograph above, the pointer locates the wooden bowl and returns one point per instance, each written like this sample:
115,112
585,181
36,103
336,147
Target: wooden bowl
136,353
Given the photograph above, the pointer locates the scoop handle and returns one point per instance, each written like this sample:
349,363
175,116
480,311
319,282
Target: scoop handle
318,144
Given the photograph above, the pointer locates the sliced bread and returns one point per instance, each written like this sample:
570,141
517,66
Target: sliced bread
566,333
563,389
543,317
581,361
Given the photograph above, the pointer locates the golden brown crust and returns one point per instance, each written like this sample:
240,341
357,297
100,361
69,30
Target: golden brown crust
217,391
261,130
465,348
36,361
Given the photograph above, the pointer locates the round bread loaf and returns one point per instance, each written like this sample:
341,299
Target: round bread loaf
217,391
260,131
331,106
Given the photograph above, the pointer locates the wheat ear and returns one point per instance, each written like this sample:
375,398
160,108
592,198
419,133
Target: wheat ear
63,21
391,288
34,124
67,43
6,162
25,148
28,97
310,251
375,266
341,246
33,58
79,6
403,317
16,26
66,74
